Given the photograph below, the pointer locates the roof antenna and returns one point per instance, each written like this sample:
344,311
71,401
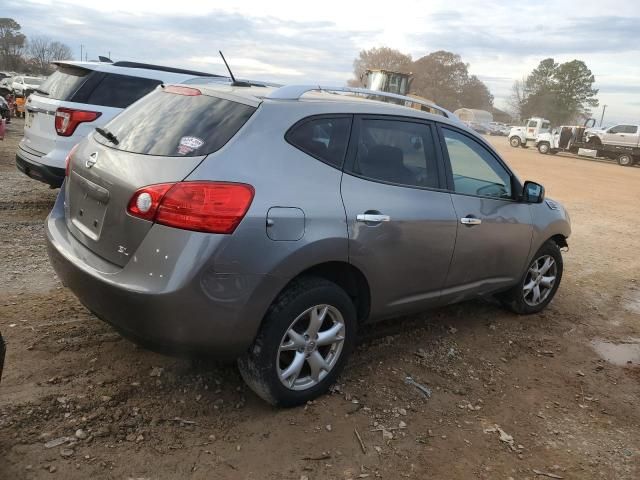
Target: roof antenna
234,82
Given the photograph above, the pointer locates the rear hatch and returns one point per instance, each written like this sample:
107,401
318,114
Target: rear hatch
160,139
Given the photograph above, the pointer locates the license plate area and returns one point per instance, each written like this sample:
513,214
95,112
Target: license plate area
88,206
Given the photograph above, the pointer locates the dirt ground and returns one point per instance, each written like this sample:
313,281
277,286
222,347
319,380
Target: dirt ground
513,397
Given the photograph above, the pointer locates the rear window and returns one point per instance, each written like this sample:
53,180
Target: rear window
120,91
64,82
174,125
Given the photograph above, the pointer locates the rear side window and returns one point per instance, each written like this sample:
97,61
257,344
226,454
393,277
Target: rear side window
120,91
323,138
64,82
397,152
175,125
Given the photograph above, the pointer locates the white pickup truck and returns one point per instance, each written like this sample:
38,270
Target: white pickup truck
519,136
623,135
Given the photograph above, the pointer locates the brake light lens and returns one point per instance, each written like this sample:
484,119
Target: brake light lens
188,91
68,119
67,161
211,207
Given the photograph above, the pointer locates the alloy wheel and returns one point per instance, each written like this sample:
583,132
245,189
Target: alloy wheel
311,347
539,281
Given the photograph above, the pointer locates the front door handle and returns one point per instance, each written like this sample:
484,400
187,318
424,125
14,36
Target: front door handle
372,217
470,221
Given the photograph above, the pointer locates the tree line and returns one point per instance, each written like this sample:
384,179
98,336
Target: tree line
559,92
28,55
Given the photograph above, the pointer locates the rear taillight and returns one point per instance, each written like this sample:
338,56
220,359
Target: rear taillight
67,164
68,119
213,207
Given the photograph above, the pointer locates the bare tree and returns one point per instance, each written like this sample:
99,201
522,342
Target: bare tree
517,98
382,58
42,51
60,51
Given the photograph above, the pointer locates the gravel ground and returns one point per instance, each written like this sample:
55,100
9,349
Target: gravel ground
546,396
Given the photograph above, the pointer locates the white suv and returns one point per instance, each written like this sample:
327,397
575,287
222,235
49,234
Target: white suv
77,98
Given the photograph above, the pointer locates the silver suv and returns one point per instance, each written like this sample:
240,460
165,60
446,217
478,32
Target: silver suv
269,225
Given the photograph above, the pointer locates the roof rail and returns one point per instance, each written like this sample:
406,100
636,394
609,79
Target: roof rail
163,68
294,92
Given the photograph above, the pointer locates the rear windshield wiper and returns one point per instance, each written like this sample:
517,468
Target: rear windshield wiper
108,135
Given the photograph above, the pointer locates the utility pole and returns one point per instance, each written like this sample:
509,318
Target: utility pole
604,108
80,52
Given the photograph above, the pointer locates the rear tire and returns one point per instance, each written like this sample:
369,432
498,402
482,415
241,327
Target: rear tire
289,362
515,142
539,283
625,160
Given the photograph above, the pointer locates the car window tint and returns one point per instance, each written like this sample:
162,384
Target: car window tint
62,83
533,123
120,91
475,170
397,152
323,138
545,125
629,129
174,125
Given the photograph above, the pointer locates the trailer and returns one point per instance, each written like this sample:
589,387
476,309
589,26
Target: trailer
575,139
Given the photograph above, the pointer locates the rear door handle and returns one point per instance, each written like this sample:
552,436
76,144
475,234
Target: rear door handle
372,218
470,221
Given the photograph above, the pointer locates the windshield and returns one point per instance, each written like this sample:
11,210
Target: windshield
176,125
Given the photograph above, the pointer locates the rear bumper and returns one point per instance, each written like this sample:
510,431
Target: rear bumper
163,304
52,176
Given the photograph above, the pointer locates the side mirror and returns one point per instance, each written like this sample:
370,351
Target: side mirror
532,192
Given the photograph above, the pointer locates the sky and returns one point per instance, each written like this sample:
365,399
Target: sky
316,42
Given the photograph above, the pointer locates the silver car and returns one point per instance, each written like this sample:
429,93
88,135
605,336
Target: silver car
270,225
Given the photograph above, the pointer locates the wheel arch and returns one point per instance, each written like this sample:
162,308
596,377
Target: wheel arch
346,276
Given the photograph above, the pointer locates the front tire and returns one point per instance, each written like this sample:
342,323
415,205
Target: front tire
539,284
515,142
544,148
306,337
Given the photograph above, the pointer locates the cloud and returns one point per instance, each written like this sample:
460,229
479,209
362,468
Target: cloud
298,43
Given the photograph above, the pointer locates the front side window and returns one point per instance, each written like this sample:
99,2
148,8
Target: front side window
397,152
475,170
532,124
616,129
323,138
545,125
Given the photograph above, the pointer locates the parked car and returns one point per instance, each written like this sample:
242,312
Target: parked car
21,84
498,128
519,136
77,98
268,226
479,127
